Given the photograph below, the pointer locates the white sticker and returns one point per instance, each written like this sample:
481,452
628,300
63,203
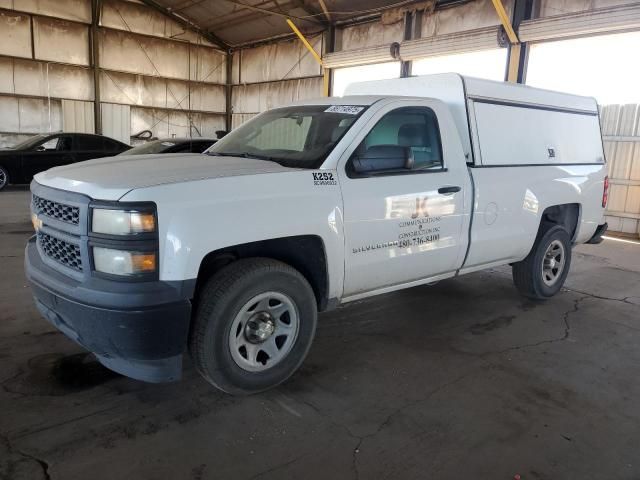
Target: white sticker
168,144
348,109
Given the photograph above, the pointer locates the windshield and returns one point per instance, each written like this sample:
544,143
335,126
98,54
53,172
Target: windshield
298,136
156,146
28,143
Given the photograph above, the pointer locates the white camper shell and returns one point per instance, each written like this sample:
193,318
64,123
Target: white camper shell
503,124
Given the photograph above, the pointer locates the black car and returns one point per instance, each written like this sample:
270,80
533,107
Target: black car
21,162
172,145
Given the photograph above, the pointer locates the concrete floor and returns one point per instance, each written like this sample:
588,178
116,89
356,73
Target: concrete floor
464,379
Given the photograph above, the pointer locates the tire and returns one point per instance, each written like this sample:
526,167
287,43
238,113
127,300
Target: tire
536,276
238,306
4,177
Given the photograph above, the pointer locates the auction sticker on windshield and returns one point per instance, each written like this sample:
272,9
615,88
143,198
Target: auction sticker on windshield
346,109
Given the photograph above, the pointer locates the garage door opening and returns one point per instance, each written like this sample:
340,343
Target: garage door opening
603,67
342,77
489,64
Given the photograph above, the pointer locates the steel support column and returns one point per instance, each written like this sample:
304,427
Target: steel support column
228,92
330,45
95,64
519,52
412,30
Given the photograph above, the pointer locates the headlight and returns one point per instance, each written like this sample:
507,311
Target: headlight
121,262
122,222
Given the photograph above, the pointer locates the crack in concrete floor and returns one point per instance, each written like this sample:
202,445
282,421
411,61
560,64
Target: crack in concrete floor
11,449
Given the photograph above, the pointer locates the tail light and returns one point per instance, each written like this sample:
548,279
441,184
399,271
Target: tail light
605,192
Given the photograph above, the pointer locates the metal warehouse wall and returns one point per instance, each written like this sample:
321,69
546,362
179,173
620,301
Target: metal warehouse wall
274,74
152,73
621,131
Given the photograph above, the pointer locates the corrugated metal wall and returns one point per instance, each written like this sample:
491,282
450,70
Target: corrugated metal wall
148,63
22,117
77,116
274,74
116,121
621,131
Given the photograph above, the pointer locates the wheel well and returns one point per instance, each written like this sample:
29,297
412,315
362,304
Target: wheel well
566,215
305,253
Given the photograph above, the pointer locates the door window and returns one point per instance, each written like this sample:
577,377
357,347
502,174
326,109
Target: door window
89,143
65,144
411,133
59,144
50,145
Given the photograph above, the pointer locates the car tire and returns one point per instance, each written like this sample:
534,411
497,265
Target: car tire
4,177
253,326
543,272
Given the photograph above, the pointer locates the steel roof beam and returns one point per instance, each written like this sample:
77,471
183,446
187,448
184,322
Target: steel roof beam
211,37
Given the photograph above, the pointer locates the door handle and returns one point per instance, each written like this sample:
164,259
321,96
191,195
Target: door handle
444,190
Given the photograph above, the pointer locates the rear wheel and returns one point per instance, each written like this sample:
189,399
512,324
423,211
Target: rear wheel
542,274
4,177
254,325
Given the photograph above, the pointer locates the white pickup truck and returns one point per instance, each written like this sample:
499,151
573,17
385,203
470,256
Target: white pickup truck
231,254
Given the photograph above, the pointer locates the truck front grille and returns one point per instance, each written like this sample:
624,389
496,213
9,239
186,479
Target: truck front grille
65,253
59,211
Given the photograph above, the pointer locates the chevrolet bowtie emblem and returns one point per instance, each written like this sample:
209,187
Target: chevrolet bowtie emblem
36,222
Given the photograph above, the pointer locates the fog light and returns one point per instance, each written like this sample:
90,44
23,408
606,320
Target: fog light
121,262
36,222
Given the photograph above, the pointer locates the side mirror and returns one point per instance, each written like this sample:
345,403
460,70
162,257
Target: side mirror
40,148
381,158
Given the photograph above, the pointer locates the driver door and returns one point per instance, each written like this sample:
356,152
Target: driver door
404,223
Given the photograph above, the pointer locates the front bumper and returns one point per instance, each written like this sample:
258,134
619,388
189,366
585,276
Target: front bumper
136,329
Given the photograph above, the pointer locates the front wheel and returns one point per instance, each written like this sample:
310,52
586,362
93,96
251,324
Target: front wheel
4,177
542,274
253,326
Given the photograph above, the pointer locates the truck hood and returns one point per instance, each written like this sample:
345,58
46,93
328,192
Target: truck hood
112,177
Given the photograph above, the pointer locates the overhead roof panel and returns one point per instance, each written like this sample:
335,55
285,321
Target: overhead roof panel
238,22
245,21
